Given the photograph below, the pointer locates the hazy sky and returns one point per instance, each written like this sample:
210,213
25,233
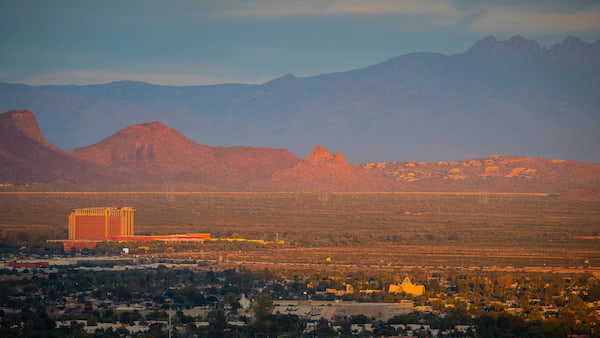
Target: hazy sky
184,42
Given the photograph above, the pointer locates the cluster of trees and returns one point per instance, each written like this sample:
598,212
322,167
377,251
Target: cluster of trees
10,248
29,235
26,323
502,324
36,299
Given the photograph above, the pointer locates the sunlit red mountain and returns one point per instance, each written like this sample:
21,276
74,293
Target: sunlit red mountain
168,156
27,157
154,156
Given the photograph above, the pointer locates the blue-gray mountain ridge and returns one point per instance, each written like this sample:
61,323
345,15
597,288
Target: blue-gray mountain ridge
499,97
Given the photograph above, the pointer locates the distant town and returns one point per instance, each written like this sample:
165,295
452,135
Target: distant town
49,292
117,295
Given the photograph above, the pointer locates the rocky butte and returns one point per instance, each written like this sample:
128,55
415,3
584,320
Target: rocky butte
324,171
27,157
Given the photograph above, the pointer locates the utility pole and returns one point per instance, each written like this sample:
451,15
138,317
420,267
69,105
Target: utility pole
170,328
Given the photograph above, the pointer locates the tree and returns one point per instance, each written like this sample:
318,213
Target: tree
216,323
231,298
268,326
262,306
360,319
92,320
323,328
383,330
345,327
125,318
290,324
156,329
434,286
89,307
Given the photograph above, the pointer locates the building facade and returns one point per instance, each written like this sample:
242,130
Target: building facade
100,223
407,287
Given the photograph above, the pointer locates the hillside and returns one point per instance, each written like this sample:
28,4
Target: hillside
510,97
167,155
323,171
26,157
493,173
156,157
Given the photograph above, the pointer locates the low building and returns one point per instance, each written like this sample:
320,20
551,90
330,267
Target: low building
314,310
27,265
78,245
407,287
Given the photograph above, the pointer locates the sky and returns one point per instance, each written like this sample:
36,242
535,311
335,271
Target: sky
200,42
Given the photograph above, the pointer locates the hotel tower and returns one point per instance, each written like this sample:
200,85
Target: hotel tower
100,223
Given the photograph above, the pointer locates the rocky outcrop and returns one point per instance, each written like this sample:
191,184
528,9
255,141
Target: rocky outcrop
322,170
27,157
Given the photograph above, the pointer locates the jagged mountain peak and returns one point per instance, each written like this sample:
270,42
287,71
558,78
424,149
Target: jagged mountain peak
515,47
571,41
319,153
576,50
574,42
321,156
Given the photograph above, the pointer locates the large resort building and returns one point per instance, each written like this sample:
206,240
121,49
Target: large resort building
100,223
90,225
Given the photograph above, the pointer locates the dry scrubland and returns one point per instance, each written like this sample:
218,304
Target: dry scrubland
363,228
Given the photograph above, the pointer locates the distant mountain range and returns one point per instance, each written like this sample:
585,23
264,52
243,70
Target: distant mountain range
152,156
499,97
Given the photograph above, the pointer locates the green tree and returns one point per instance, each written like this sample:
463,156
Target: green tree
268,326
89,307
92,320
217,323
323,328
345,327
360,319
125,317
262,306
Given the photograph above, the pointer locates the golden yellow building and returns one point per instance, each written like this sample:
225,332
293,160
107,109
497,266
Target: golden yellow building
408,287
100,223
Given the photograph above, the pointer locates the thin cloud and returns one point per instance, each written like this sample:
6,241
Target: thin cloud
279,8
87,77
524,20
352,9
288,8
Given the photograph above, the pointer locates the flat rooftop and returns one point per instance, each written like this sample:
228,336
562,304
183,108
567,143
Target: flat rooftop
106,208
